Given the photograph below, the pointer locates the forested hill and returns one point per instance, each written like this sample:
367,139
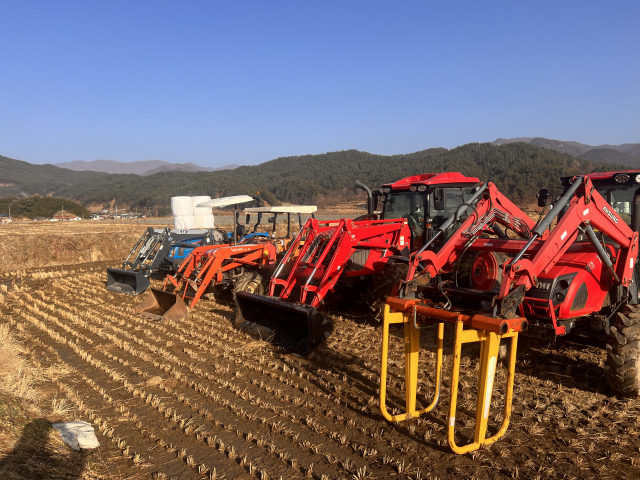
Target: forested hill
519,170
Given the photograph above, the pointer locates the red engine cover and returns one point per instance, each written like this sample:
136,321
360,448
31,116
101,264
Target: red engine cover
577,285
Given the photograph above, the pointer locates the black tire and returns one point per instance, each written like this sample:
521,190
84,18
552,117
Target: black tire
623,352
383,284
252,282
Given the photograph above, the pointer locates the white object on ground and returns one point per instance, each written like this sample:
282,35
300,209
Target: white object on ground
181,206
226,201
78,435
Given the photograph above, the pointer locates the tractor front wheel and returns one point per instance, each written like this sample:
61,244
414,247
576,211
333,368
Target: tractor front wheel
250,282
623,352
385,284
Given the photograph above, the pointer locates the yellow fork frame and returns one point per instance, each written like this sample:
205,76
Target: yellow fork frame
411,357
489,346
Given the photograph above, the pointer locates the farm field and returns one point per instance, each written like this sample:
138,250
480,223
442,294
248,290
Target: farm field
196,399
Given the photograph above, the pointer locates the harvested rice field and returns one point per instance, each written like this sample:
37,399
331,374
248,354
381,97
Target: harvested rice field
197,399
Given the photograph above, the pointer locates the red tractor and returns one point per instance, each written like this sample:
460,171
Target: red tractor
580,279
333,256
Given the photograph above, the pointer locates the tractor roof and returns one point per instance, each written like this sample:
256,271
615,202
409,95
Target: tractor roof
432,179
226,201
608,175
603,176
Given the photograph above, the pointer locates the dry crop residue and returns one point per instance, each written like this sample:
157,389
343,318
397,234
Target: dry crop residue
197,399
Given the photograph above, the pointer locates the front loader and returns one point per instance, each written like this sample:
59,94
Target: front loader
239,267
576,276
335,256
157,251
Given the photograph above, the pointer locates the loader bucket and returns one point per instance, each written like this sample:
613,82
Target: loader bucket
161,305
126,281
299,327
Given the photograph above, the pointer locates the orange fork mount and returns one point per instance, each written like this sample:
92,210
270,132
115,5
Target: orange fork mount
488,331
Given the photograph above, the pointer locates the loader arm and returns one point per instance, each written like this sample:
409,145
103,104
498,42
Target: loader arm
492,208
307,234
206,266
346,236
356,236
587,209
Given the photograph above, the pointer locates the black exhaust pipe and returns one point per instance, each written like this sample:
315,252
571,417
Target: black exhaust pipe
361,185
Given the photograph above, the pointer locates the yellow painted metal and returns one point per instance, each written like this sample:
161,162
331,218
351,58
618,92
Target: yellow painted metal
489,346
412,351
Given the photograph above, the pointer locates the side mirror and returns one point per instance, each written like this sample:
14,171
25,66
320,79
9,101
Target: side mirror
439,199
248,219
272,220
543,197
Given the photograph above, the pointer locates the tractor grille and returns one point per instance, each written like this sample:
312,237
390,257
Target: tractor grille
358,260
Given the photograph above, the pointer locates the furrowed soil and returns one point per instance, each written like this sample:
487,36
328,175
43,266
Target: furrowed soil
198,399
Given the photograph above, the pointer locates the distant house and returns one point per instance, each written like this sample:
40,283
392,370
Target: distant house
5,218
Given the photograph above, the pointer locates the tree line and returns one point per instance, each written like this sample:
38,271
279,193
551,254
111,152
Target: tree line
518,169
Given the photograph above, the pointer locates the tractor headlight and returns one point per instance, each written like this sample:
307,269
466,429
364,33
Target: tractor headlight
387,190
422,188
413,188
622,177
638,178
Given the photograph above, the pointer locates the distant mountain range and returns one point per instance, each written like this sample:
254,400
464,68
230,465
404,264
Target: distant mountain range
518,169
144,167
625,154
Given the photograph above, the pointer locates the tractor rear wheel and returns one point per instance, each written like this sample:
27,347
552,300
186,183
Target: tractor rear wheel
250,282
623,352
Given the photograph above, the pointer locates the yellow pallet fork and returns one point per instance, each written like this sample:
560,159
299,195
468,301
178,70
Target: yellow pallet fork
487,331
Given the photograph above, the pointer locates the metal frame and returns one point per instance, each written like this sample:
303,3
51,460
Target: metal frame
489,346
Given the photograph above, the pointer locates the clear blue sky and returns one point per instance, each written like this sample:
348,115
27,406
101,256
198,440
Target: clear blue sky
215,82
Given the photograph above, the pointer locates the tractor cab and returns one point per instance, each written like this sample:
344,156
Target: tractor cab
426,201
621,190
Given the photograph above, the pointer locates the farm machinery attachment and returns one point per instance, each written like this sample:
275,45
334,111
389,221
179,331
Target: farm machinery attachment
240,267
577,277
327,257
157,251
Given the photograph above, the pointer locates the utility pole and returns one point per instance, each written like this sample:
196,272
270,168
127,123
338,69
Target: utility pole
63,213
